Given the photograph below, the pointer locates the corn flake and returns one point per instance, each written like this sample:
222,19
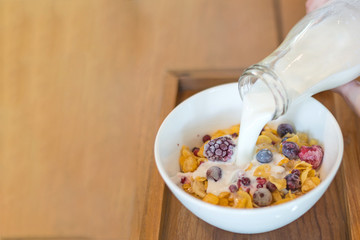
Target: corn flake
309,184
218,133
223,202
302,165
283,161
273,137
263,139
211,198
263,170
276,196
249,167
282,201
294,139
279,183
244,200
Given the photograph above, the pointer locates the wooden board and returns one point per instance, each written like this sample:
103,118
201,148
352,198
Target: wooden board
332,217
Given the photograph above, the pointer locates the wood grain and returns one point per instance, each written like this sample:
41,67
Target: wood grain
82,98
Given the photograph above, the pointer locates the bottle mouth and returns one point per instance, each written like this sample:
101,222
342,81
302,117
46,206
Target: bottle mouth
273,83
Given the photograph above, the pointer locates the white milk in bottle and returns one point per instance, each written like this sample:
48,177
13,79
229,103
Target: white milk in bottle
321,52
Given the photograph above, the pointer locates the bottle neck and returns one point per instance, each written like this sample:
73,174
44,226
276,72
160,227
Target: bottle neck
258,72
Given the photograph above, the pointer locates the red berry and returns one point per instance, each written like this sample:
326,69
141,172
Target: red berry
206,138
313,155
259,185
245,181
233,188
196,151
183,180
261,180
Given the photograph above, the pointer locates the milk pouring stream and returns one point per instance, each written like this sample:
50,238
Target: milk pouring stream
321,52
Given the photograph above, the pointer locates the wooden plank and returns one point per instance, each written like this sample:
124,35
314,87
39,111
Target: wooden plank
152,221
349,124
81,101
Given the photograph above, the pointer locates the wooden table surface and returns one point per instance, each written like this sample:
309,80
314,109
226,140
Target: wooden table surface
85,85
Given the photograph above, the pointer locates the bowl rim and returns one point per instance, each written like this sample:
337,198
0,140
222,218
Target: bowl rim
309,195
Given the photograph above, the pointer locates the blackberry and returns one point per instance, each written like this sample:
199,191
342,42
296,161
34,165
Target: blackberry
284,128
293,181
290,150
219,149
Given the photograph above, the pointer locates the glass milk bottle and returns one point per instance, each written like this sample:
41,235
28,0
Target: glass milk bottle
321,52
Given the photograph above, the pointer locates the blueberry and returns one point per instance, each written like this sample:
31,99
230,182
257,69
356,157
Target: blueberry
264,156
262,197
290,150
284,128
214,173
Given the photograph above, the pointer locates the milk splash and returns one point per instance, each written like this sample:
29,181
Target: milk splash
259,107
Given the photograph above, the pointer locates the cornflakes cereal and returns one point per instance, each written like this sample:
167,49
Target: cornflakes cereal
262,171
273,177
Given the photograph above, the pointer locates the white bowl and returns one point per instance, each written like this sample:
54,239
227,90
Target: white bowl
220,107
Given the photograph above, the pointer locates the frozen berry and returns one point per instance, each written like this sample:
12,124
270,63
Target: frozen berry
183,179
296,172
234,135
206,138
284,128
292,181
259,185
313,155
196,151
261,180
271,186
219,149
245,181
214,173
262,197
290,150
233,188
264,156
